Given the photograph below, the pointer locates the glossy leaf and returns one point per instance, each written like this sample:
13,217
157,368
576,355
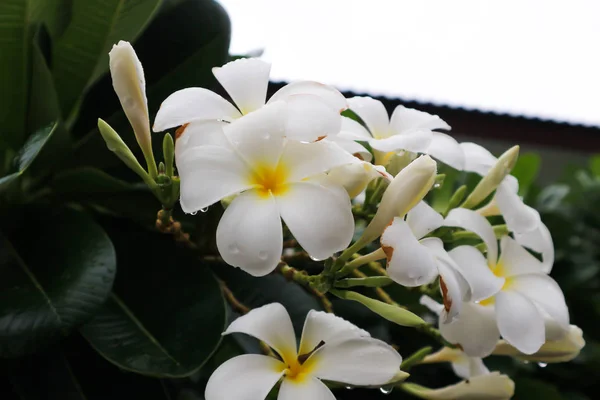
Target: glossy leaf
166,314
52,281
80,55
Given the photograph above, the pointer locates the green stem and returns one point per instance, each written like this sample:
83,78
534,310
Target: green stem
415,358
361,260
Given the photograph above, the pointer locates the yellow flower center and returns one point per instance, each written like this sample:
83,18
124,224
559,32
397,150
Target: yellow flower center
269,180
295,370
500,272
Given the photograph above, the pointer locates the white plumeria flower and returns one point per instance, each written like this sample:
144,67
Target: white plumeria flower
407,129
510,295
413,260
330,349
313,108
492,386
521,219
272,174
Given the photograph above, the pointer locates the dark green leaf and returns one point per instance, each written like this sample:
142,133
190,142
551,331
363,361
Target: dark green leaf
53,280
81,54
526,171
595,165
167,313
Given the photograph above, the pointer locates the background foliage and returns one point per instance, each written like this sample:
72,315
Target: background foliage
95,304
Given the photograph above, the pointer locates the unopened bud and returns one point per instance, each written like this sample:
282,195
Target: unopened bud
492,386
355,177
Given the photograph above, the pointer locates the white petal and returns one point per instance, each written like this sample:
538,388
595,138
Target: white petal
320,327
475,330
417,141
477,158
208,174
304,160
249,235
270,323
319,218
545,293
326,93
350,146
539,240
515,260
409,262
408,119
519,321
307,388
471,221
192,104
431,304
468,367
354,177
477,367
472,265
518,216
308,118
258,137
423,219
246,81
356,361
373,113
353,130
246,377
200,133
446,149
451,291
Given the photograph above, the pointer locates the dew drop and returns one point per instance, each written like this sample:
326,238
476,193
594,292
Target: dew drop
437,186
543,365
194,212
316,258
203,210
263,255
386,389
349,387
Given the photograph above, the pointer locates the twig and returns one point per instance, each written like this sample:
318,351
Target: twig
301,277
382,294
166,224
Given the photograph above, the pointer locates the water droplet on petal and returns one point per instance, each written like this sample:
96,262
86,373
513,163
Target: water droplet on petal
205,209
263,255
316,258
386,389
437,186
194,212
349,387
543,365
233,248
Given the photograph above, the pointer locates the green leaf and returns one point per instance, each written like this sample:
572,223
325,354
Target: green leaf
52,281
166,314
526,171
28,153
80,55
594,164
43,104
396,314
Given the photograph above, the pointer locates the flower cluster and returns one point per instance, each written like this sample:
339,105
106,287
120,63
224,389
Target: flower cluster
300,157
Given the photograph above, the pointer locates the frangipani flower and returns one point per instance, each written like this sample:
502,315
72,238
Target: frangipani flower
414,260
313,108
330,349
272,174
510,295
521,219
553,351
492,386
130,85
408,129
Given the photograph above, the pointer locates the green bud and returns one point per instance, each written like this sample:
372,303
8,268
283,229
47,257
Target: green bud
169,153
494,177
117,146
392,313
457,197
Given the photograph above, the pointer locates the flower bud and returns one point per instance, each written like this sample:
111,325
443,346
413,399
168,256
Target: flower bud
355,177
407,189
494,177
130,85
554,351
492,386
117,146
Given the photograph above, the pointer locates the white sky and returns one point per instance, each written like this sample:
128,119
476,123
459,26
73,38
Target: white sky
530,57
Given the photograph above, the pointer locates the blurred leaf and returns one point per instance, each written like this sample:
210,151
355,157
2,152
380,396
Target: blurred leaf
166,314
43,104
88,181
527,388
52,281
526,171
28,153
594,164
80,55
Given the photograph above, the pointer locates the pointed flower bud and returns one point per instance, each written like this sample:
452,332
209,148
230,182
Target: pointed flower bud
407,189
130,85
355,177
117,146
494,177
493,386
169,153
554,351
